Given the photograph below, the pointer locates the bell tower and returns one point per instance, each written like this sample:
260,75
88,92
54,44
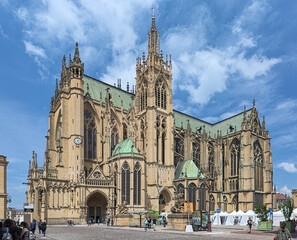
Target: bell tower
154,111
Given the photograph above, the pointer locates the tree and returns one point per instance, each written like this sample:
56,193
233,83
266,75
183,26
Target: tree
287,209
262,212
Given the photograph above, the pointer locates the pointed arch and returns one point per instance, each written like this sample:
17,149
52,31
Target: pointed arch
137,184
211,159
91,123
164,198
212,203
235,157
178,146
125,183
202,206
192,194
161,93
143,95
259,166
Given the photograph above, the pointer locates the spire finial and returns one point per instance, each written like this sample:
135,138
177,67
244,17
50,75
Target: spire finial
153,19
254,102
76,57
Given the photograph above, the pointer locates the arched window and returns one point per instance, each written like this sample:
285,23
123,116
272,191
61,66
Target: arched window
211,160
178,148
202,198
212,203
235,157
196,152
90,132
86,172
225,202
258,160
137,185
235,203
114,138
125,131
126,183
160,95
192,194
143,97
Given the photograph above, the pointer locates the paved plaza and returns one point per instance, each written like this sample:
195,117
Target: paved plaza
84,232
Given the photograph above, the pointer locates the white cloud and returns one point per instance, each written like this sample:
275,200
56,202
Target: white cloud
22,13
34,50
286,190
2,32
289,167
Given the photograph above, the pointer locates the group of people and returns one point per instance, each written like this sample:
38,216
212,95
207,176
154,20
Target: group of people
282,234
148,223
9,229
70,223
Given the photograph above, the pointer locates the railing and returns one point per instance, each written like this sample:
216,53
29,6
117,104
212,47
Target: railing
98,182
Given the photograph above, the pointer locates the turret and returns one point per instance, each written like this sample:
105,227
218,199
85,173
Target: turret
76,67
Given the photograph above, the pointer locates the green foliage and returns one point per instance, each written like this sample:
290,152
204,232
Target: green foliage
153,215
287,209
262,212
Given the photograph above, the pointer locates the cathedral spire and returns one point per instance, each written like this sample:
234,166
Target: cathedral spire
76,57
153,38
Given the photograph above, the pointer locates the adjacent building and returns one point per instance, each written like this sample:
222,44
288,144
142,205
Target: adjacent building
294,197
3,187
114,150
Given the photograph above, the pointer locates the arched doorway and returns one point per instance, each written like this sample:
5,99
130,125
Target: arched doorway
97,206
164,199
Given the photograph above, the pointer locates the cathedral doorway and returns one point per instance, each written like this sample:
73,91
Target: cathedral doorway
164,199
97,206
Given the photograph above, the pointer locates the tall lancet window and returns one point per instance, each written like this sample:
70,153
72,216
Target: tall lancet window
258,160
192,194
114,138
137,185
90,133
178,147
160,95
235,157
143,97
126,183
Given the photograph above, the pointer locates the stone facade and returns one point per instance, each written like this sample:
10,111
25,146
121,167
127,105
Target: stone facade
294,197
111,150
3,187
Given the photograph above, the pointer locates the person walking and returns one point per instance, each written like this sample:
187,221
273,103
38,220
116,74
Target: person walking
283,233
25,233
154,223
145,224
12,229
40,226
33,226
250,223
43,227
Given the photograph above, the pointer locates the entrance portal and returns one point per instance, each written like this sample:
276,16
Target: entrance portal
164,199
97,207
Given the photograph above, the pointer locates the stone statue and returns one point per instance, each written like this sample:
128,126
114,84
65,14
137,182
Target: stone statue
179,204
123,208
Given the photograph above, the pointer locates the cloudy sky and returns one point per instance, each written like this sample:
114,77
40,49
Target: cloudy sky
225,53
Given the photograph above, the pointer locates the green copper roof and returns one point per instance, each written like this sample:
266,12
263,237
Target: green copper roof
97,88
187,168
126,146
181,121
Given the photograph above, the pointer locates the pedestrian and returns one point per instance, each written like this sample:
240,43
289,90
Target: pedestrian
33,226
164,222
283,233
149,223
145,224
43,227
40,226
89,222
25,233
98,221
154,223
250,223
10,226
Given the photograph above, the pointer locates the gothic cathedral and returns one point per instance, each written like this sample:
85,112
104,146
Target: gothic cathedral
113,151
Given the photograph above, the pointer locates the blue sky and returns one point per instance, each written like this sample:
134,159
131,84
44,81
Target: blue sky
224,53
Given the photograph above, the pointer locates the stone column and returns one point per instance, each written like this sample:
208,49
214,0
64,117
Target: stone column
3,187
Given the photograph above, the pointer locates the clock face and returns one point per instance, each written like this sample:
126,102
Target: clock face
77,141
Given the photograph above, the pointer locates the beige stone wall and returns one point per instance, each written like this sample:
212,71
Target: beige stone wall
3,186
294,197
